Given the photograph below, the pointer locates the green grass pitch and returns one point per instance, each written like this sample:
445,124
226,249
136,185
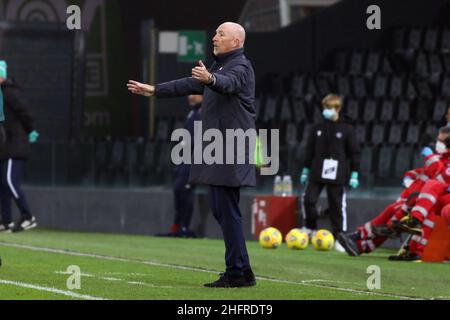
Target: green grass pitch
35,266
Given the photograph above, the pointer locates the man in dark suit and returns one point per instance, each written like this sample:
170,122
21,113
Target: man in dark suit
228,89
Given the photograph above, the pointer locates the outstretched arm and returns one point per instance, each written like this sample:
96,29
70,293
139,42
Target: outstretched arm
141,88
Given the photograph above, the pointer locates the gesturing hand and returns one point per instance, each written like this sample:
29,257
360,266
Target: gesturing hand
201,73
140,88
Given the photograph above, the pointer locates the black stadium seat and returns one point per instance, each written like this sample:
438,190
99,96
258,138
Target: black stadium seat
431,39
412,133
356,63
377,136
370,110
373,62
361,133
439,110
380,86
359,87
414,40
385,160
299,110
395,134
403,110
352,108
387,111
396,88
402,161
445,39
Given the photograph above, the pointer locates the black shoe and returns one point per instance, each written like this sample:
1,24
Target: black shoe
249,277
225,281
409,225
349,243
7,228
408,256
25,224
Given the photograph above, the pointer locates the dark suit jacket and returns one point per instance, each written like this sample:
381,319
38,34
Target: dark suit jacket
227,104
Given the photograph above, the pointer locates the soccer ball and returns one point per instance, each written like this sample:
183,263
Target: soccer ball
323,240
270,238
297,239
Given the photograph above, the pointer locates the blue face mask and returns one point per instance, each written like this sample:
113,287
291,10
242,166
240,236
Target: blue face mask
329,114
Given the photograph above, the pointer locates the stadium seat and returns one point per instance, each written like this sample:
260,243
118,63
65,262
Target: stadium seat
343,86
286,113
387,111
361,133
299,110
396,88
298,85
439,110
417,159
146,161
403,110
380,86
421,64
399,38
411,92
445,87
386,66
311,87
431,130
373,62
370,110
412,133
356,63
395,134
351,108
403,161
377,136
431,39
291,134
423,108
323,86
445,39
435,63
385,160
414,40
423,89
359,87
270,110
366,165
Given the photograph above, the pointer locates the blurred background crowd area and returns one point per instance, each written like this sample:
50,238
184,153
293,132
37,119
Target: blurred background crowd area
396,80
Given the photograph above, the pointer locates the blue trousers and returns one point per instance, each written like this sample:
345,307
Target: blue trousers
225,207
10,173
184,194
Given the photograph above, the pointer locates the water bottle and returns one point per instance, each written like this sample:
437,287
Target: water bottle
287,186
277,186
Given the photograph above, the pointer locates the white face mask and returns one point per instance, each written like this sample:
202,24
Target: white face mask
440,147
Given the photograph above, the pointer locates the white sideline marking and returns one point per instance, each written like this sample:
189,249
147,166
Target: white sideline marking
52,290
172,266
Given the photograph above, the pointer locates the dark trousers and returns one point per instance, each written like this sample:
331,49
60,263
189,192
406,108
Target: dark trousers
225,207
337,205
184,194
10,173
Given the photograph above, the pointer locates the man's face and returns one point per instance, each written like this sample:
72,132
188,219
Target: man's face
224,40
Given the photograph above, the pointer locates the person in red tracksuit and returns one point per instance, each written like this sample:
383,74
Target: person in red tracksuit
375,232
429,200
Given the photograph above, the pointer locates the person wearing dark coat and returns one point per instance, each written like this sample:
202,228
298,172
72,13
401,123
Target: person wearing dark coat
228,89
19,133
332,159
